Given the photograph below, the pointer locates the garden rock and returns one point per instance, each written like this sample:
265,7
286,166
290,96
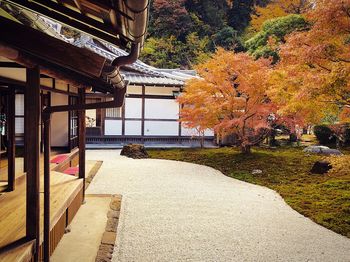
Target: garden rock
321,167
324,150
135,151
257,172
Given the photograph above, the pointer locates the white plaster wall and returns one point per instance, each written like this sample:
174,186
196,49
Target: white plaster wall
113,127
19,125
161,128
160,90
161,109
133,107
14,73
192,132
19,111
19,102
20,75
135,90
59,123
132,128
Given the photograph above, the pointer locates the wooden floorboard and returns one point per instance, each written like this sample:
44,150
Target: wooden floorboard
64,189
13,205
22,252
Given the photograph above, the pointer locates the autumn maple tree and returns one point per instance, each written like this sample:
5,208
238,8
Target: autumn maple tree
230,97
313,75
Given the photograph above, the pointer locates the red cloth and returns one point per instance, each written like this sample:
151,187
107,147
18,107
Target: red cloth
71,171
59,159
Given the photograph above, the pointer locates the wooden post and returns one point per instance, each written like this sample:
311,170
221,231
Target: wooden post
31,158
143,114
47,150
82,134
180,126
11,140
123,119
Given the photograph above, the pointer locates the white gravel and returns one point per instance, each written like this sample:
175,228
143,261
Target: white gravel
175,211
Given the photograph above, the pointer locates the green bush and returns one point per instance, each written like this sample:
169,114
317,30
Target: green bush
276,28
324,135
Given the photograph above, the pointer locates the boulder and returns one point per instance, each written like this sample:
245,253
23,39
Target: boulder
321,167
333,152
257,172
135,151
324,150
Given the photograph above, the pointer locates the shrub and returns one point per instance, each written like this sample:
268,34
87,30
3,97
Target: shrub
258,46
347,136
324,135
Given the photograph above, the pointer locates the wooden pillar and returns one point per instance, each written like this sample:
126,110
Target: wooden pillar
82,134
143,113
47,151
123,119
11,140
180,126
31,158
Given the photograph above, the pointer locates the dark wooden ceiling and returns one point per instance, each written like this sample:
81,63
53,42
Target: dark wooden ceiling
108,20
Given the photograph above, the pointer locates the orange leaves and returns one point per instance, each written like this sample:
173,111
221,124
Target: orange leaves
230,96
313,76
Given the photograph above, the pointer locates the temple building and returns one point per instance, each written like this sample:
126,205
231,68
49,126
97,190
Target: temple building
45,80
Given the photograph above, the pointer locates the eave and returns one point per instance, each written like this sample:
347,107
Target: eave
114,21
78,66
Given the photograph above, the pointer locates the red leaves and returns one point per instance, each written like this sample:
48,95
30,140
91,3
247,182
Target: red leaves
230,97
314,71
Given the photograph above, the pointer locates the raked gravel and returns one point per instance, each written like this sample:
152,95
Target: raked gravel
176,211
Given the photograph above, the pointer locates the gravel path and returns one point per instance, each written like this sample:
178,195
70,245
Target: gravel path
175,211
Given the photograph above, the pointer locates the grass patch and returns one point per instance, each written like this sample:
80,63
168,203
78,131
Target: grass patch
324,199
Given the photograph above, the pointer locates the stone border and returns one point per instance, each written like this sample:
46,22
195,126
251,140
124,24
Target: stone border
93,172
107,245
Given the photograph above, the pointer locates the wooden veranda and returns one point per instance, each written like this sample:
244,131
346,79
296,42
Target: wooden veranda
39,203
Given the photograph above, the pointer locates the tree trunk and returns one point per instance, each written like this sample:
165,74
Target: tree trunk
246,149
293,137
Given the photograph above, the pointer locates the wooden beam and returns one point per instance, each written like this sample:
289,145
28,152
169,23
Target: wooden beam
31,158
55,90
50,49
55,71
82,137
94,95
11,140
71,18
117,101
20,85
10,65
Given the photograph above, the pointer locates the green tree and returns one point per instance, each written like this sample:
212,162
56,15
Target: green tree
266,42
239,14
228,38
168,52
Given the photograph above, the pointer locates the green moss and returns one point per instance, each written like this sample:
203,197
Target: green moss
324,199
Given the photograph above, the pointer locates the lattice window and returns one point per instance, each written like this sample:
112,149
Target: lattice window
114,112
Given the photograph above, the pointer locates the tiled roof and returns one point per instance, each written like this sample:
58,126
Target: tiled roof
147,74
141,72
139,78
